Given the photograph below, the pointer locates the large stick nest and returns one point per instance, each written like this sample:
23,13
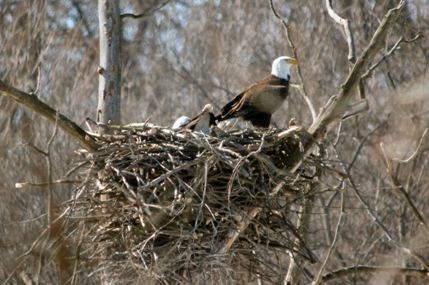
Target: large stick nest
182,207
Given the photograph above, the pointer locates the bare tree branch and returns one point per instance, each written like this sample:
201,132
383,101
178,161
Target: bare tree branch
394,48
305,214
145,13
371,212
77,5
339,104
415,152
43,184
49,198
36,90
375,218
399,188
40,239
347,31
242,224
33,103
360,269
318,278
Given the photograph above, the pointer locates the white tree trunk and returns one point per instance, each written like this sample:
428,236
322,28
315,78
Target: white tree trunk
109,89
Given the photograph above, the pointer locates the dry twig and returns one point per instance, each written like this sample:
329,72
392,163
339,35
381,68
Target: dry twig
145,13
421,273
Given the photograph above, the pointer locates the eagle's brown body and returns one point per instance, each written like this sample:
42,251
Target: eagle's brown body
258,102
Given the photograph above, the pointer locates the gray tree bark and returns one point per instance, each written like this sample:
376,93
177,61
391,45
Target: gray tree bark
109,88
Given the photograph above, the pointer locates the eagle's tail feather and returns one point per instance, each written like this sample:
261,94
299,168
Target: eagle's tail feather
228,110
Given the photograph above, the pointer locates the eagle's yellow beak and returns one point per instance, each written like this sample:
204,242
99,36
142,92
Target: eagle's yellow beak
293,61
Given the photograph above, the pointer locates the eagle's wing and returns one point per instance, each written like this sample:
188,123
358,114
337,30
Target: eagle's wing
193,122
259,99
230,108
267,99
191,125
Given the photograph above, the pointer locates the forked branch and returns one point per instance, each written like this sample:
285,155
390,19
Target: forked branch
340,103
347,31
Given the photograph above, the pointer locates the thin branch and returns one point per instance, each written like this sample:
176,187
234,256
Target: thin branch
326,221
413,155
33,103
44,184
145,13
399,188
301,88
77,259
355,109
77,5
318,278
49,199
40,238
394,48
233,234
305,214
35,148
385,158
36,90
78,166
361,269
377,221
347,31
337,137
339,104
371,212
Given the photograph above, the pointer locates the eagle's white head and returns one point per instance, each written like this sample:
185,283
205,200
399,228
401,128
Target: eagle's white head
281,66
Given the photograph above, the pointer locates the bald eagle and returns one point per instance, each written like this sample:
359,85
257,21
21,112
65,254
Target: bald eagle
200,123
260,100
180,122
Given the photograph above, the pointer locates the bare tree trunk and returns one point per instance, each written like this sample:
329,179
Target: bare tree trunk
109,88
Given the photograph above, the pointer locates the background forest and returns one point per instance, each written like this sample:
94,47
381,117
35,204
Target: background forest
187,53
